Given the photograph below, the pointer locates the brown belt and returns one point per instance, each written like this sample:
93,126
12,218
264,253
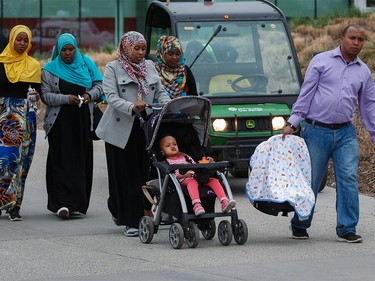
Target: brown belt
329,126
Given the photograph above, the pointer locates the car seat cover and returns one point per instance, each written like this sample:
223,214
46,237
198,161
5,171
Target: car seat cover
281,172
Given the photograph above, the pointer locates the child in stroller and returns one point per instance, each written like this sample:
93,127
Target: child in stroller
187,119
169,149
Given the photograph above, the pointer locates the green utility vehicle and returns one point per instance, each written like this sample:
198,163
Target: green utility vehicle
243,59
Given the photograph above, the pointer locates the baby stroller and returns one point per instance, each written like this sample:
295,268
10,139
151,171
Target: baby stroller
187,119
280,177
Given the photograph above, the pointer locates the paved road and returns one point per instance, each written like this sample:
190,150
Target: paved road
44,247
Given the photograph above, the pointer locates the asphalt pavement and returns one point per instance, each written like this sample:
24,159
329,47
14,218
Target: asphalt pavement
45,247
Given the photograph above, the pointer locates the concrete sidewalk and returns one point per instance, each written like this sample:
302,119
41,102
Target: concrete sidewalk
44,247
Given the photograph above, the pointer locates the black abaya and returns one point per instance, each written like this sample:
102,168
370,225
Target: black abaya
70,156
126,174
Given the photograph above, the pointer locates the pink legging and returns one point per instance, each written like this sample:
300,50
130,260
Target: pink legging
192,187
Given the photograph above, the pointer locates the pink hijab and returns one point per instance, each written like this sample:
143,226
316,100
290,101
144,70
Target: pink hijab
137,72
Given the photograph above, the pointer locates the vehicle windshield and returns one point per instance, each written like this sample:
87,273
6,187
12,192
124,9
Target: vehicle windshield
245,57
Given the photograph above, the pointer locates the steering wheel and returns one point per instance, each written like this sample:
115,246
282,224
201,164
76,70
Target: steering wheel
254,82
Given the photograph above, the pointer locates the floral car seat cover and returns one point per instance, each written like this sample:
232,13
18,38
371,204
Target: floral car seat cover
281,172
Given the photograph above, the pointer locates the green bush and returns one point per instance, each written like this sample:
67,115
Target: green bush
323,21
108,48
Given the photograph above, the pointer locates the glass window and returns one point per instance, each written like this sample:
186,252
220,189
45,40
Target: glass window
246,57
232,43
278,63
60,9
155,35
20,8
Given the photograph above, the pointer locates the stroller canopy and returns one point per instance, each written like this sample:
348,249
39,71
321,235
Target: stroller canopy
190,109
281,172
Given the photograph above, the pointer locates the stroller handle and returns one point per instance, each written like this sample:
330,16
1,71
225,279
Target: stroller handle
154,106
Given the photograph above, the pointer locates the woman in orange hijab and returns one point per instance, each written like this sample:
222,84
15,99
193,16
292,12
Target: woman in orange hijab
20,81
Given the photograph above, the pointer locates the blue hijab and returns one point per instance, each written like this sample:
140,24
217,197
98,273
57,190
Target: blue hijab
82,71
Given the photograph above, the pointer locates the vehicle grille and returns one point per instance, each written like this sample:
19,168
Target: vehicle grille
260,124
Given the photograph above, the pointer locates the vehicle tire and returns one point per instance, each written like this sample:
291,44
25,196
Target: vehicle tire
176,236
209,230
225,233
241,232
146,229
192,239
324,181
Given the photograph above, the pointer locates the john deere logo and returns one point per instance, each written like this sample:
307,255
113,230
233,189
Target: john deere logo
250,124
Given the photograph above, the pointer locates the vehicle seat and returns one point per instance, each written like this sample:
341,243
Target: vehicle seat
224,53
152,57
193,48
222,83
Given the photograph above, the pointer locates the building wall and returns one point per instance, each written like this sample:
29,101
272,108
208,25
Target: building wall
99,22
93,22
310,8
364,5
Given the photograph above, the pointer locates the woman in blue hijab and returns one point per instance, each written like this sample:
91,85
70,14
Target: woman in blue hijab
71,82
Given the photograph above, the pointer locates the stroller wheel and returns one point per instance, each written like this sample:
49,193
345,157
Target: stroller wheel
240,232
209,230
192,236
225,233
146,229
176,236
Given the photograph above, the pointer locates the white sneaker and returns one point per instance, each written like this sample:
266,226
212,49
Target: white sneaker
130,231
75,213
63,212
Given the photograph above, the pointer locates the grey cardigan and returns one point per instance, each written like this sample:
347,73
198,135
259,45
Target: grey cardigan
52,97
121,93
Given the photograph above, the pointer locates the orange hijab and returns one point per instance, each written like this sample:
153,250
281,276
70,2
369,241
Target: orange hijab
20,67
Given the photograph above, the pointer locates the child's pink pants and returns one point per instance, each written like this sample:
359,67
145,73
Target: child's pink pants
192,187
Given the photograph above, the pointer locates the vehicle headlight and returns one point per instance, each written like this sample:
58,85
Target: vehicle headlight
220,125
278,123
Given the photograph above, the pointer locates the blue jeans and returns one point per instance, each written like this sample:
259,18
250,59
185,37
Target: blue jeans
341,145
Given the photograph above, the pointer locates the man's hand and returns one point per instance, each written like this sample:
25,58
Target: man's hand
288,130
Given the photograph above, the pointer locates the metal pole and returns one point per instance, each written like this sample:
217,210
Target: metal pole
315,9
79,21
41,26
118,23
2,17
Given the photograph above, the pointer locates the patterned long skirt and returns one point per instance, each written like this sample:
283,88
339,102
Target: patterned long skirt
17,146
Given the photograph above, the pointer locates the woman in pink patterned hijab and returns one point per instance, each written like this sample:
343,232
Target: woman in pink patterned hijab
137,71
130,85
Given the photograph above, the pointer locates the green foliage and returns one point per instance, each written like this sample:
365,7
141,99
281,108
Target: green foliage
323,21
108,48
41,56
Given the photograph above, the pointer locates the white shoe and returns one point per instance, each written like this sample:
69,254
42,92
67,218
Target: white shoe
75,213
63,212
130,231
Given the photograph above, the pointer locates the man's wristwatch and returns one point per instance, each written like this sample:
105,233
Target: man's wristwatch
290,125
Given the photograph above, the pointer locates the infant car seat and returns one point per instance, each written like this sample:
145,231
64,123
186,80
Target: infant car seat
280,177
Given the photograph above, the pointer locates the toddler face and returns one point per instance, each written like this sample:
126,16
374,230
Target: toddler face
169,147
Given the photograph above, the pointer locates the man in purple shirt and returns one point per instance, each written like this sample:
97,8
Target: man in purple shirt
334,82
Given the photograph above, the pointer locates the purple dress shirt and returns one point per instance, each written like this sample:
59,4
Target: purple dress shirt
331,89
